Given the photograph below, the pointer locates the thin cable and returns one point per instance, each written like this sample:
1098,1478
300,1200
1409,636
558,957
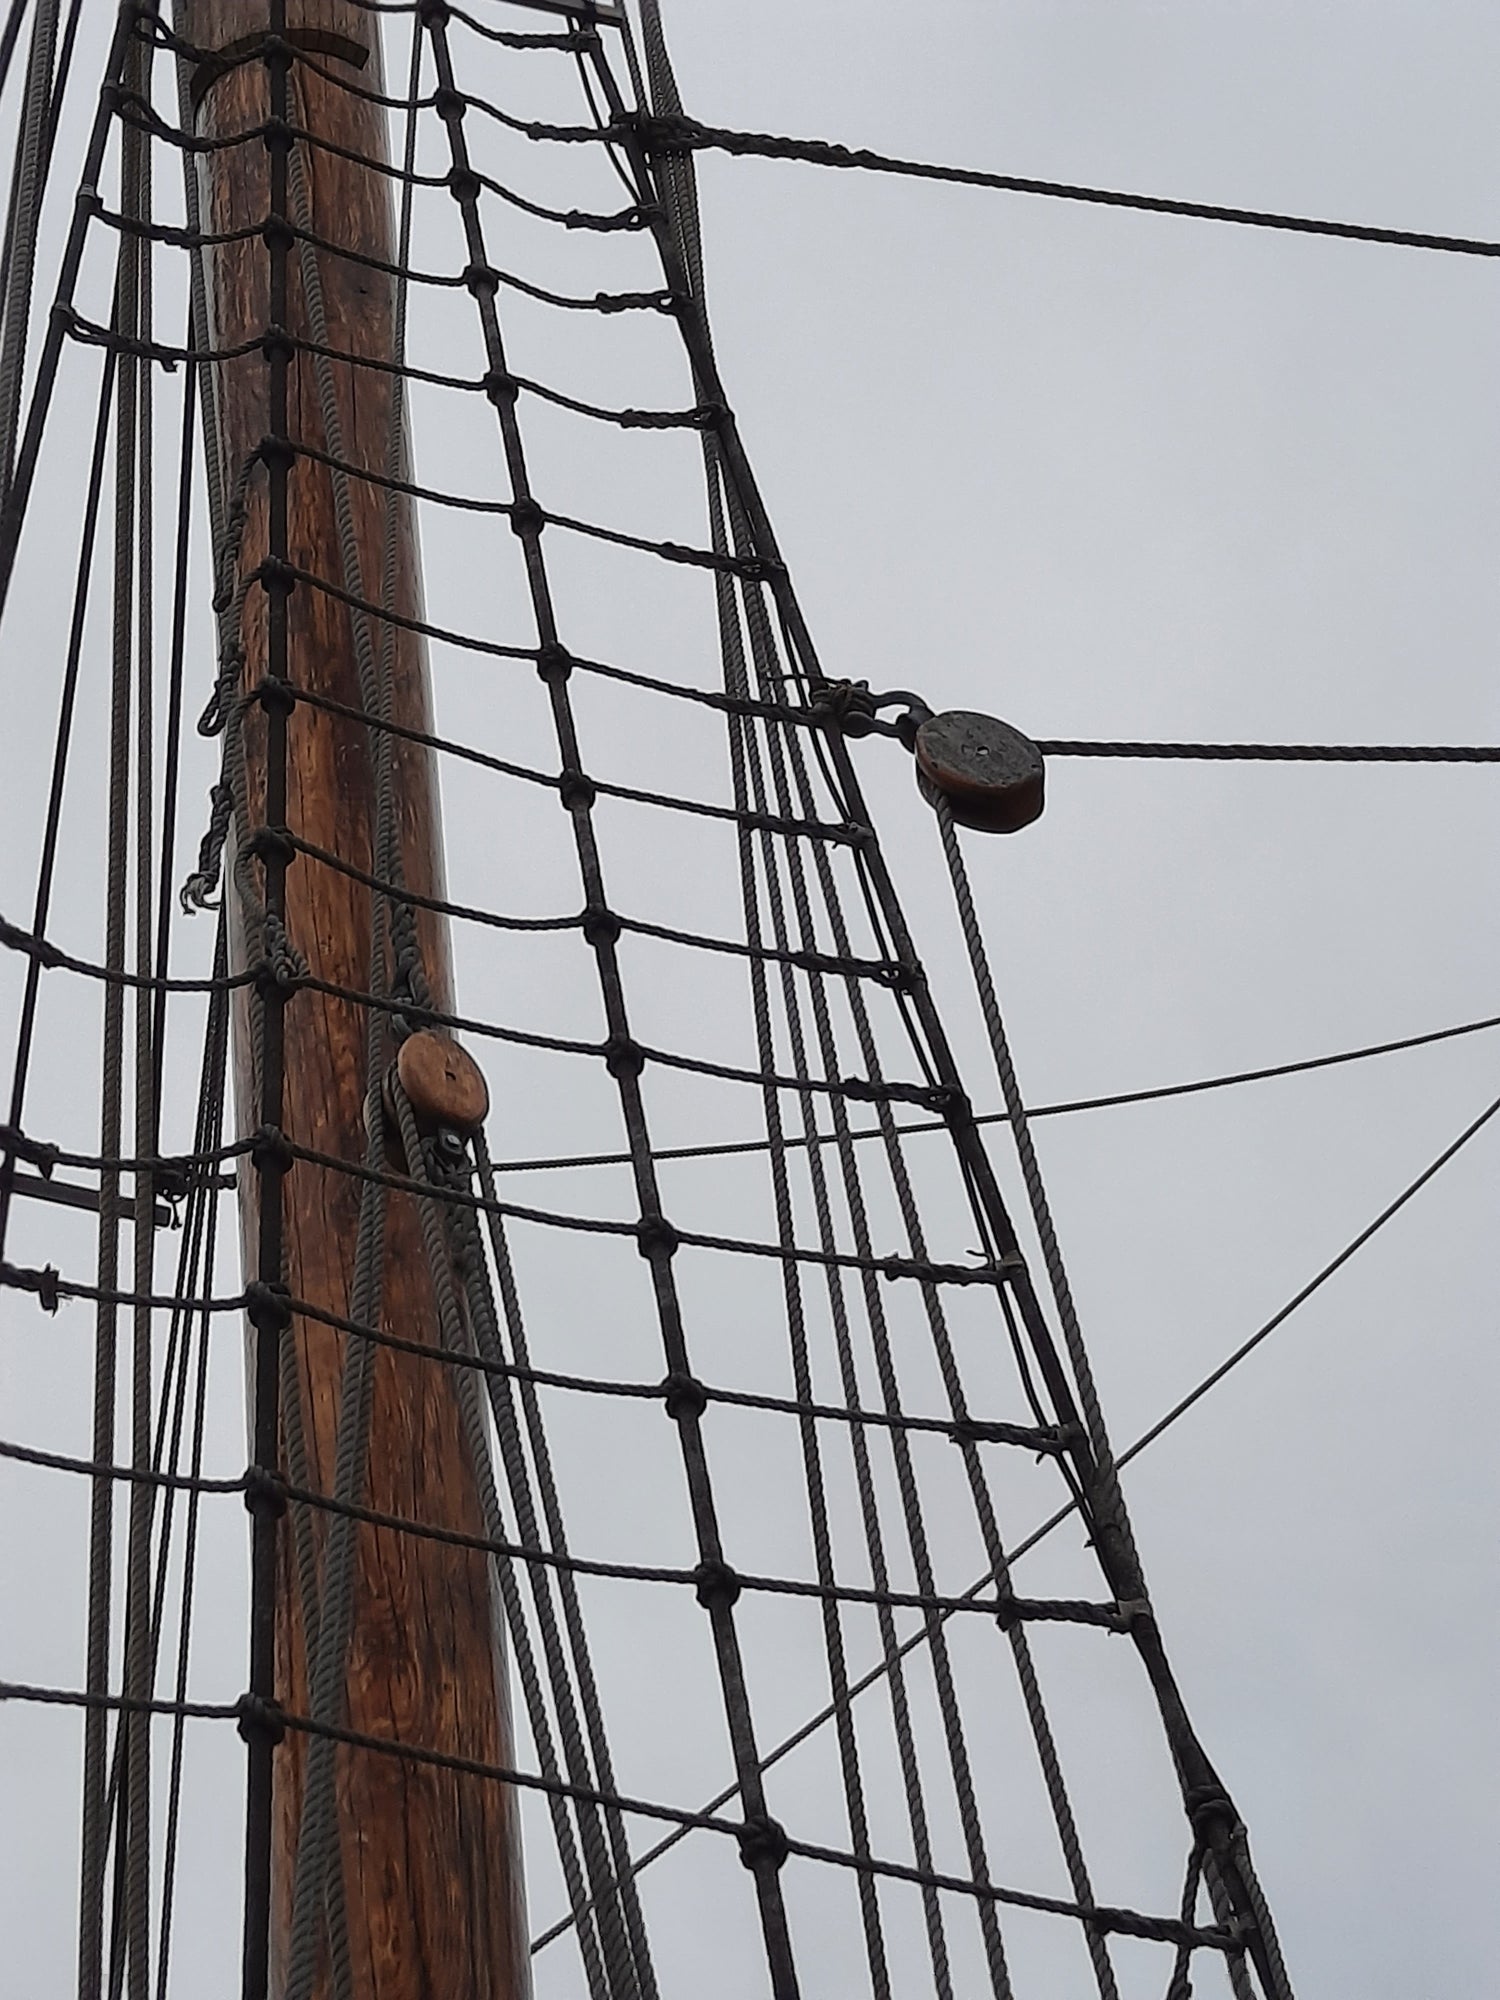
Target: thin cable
1158,1094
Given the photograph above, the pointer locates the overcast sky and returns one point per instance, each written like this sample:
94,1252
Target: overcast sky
1106,475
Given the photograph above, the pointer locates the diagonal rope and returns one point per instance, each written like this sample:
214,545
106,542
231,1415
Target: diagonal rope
1227,1841
678,135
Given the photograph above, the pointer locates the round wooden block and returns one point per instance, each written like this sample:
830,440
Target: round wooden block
990,774
444,1083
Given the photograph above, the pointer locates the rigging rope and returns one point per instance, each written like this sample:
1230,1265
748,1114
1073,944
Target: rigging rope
667,135
824,942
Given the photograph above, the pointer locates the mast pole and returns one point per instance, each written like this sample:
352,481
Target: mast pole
423,1892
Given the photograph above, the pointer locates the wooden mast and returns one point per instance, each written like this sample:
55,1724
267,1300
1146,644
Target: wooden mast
428,1858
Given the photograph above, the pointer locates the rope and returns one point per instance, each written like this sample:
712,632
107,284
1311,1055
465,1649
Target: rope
765,1861
1106,1503
136,411
1285,753
1106,1495
679,135
14,500
803,839
528,1379
686,209
52,827
203,1245
94,1824
21,223
624,1948
1123,1922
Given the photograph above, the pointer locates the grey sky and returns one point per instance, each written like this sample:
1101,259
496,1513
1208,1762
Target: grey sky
1105,475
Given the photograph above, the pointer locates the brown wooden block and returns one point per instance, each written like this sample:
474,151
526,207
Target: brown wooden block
445,1084
991,775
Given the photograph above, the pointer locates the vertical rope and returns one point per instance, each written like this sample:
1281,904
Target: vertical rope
1180,1985
623,1884
911,1777
111,1127
136,200
267,1006
596,1905
21,225
208,1137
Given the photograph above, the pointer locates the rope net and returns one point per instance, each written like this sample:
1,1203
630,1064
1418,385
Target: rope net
733,1437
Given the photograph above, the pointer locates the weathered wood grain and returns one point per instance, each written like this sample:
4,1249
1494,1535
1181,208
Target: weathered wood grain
430,1859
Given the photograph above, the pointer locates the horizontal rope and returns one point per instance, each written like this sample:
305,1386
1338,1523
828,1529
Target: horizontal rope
884,972
90,333
175,236
250,1483
1131,1923
1284,753
536,516
834,831
895,1268
53,958
1050,1441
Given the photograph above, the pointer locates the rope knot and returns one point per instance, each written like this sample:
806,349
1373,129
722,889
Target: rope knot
654,1233
847,705
1209,1807
600,925
273,843
260,1719
265,1493
684,1395
763,1843
623,1057
574,789
268,1307
715,1584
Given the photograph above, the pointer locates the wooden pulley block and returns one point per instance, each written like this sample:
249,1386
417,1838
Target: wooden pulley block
991,775
445,1085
